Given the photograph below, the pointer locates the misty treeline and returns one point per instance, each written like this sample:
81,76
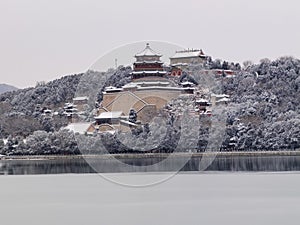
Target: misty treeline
263,114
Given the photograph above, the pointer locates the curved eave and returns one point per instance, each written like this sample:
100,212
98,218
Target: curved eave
187,57
148,55
148,72
148,62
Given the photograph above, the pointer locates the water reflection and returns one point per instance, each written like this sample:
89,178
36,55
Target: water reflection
236,163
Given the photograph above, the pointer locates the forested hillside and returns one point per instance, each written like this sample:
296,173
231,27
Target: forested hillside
18,110
264,112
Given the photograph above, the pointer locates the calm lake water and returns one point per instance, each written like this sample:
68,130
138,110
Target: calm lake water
63,166
188,198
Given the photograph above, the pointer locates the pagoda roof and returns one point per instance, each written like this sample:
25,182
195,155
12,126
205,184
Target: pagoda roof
148,52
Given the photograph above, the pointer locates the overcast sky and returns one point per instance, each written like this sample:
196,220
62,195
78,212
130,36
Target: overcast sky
41,40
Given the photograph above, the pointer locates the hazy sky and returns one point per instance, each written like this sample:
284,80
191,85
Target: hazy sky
46,39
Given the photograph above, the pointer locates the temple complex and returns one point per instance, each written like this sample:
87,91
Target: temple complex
149,91
152,87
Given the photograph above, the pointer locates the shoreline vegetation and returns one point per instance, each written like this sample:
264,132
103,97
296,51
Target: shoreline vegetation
155,155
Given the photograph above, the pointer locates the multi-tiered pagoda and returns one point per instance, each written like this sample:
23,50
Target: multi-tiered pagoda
148,64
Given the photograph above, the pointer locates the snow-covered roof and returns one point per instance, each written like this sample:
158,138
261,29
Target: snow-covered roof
109,131
146,84
5,141
71,110
149,72
163,83
224,100
233,139
112,89
128,123
163,88
110,115
201,100
69,105
148,62
148,52
80,128
130,85
187,83
220,96
188,54
179,64
207,112
82,98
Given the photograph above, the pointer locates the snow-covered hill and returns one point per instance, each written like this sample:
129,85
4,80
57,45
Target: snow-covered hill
6,88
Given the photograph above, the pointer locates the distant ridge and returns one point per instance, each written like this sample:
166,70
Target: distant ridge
6,88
